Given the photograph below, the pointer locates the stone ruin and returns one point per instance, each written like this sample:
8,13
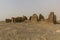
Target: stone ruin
17,19
52,18
30,18
13,19
34,19
8,20
41,17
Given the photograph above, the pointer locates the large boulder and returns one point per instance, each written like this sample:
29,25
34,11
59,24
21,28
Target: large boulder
41,17
52,18
8,20
34,18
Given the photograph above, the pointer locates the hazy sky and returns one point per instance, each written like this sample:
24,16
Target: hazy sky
12,8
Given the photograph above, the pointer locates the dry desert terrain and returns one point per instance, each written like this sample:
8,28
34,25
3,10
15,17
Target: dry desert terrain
29,31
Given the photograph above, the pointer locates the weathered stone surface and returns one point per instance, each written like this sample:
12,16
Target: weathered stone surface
19,19
24,18
52,18
8,20
34,18
30,17
41,17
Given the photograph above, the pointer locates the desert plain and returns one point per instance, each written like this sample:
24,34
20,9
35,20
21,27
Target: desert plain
29,31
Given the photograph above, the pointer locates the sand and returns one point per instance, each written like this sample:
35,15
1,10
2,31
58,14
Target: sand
29,31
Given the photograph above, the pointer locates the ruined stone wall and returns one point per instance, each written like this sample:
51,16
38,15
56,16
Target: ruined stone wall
34,18
51,18
41,17
8,20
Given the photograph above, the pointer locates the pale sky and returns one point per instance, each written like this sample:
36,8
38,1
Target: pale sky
12,8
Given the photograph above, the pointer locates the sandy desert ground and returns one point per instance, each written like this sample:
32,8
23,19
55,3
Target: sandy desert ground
29,31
